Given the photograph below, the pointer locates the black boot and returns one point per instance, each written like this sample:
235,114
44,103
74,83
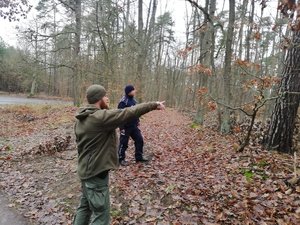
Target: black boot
142,160
123,162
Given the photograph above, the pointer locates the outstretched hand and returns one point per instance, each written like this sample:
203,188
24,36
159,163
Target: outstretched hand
160,105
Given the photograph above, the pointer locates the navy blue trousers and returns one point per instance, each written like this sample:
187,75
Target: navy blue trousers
135,134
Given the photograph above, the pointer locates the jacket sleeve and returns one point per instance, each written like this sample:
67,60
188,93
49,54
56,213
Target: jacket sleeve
121,105
111,119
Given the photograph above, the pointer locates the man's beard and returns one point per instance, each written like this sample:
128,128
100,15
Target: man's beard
103,105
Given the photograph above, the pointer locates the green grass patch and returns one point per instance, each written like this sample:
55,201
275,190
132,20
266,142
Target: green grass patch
115,213
195,126
248,174
262,163
170,188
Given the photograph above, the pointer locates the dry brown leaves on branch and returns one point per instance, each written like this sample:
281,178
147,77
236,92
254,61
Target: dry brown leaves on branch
287,7
265,82
200,68
247,64
184,52
257,36
212,105
202,92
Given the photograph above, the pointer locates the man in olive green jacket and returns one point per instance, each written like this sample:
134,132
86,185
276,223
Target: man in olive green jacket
96,138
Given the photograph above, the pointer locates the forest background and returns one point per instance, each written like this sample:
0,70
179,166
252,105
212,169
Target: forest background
234,58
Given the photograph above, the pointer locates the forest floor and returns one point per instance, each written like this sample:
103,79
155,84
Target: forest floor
195,175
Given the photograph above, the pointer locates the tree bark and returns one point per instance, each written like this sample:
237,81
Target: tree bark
241,31
76,69
140,61
280,133
212,11
35,73
144,41
225,126
248,47
205,44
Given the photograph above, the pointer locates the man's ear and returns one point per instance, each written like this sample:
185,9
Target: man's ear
103,104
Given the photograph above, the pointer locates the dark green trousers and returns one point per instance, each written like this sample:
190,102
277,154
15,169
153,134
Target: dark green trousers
94,207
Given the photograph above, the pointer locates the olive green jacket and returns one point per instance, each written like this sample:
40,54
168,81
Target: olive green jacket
96,138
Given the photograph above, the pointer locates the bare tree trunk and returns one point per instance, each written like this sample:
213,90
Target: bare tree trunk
140,61
192,61
212,10
204,59
55,88
280,133
34,76
240,97
225,125
158,64
248,47
76,69
241,31
277,63
144,40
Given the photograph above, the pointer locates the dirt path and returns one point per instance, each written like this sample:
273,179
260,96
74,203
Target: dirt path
14,100
8,215
175,184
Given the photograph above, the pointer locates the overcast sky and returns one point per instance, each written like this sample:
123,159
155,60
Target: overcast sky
8,32
176,7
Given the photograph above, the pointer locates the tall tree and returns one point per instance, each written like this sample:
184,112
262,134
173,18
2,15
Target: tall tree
34,38
250,31
140,61
145,34
75,6
76,69
280,133
241,31
48,13
225,126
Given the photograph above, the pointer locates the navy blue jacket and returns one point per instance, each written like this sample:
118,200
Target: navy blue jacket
128,101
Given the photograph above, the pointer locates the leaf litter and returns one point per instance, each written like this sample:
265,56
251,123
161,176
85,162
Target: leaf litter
194,177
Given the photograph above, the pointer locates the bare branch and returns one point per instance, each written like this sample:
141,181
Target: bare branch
292,93
55,35
60,49
230,107
207,16
98,29
257,107
66,5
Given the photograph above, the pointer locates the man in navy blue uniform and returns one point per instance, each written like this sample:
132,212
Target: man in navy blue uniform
130,129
